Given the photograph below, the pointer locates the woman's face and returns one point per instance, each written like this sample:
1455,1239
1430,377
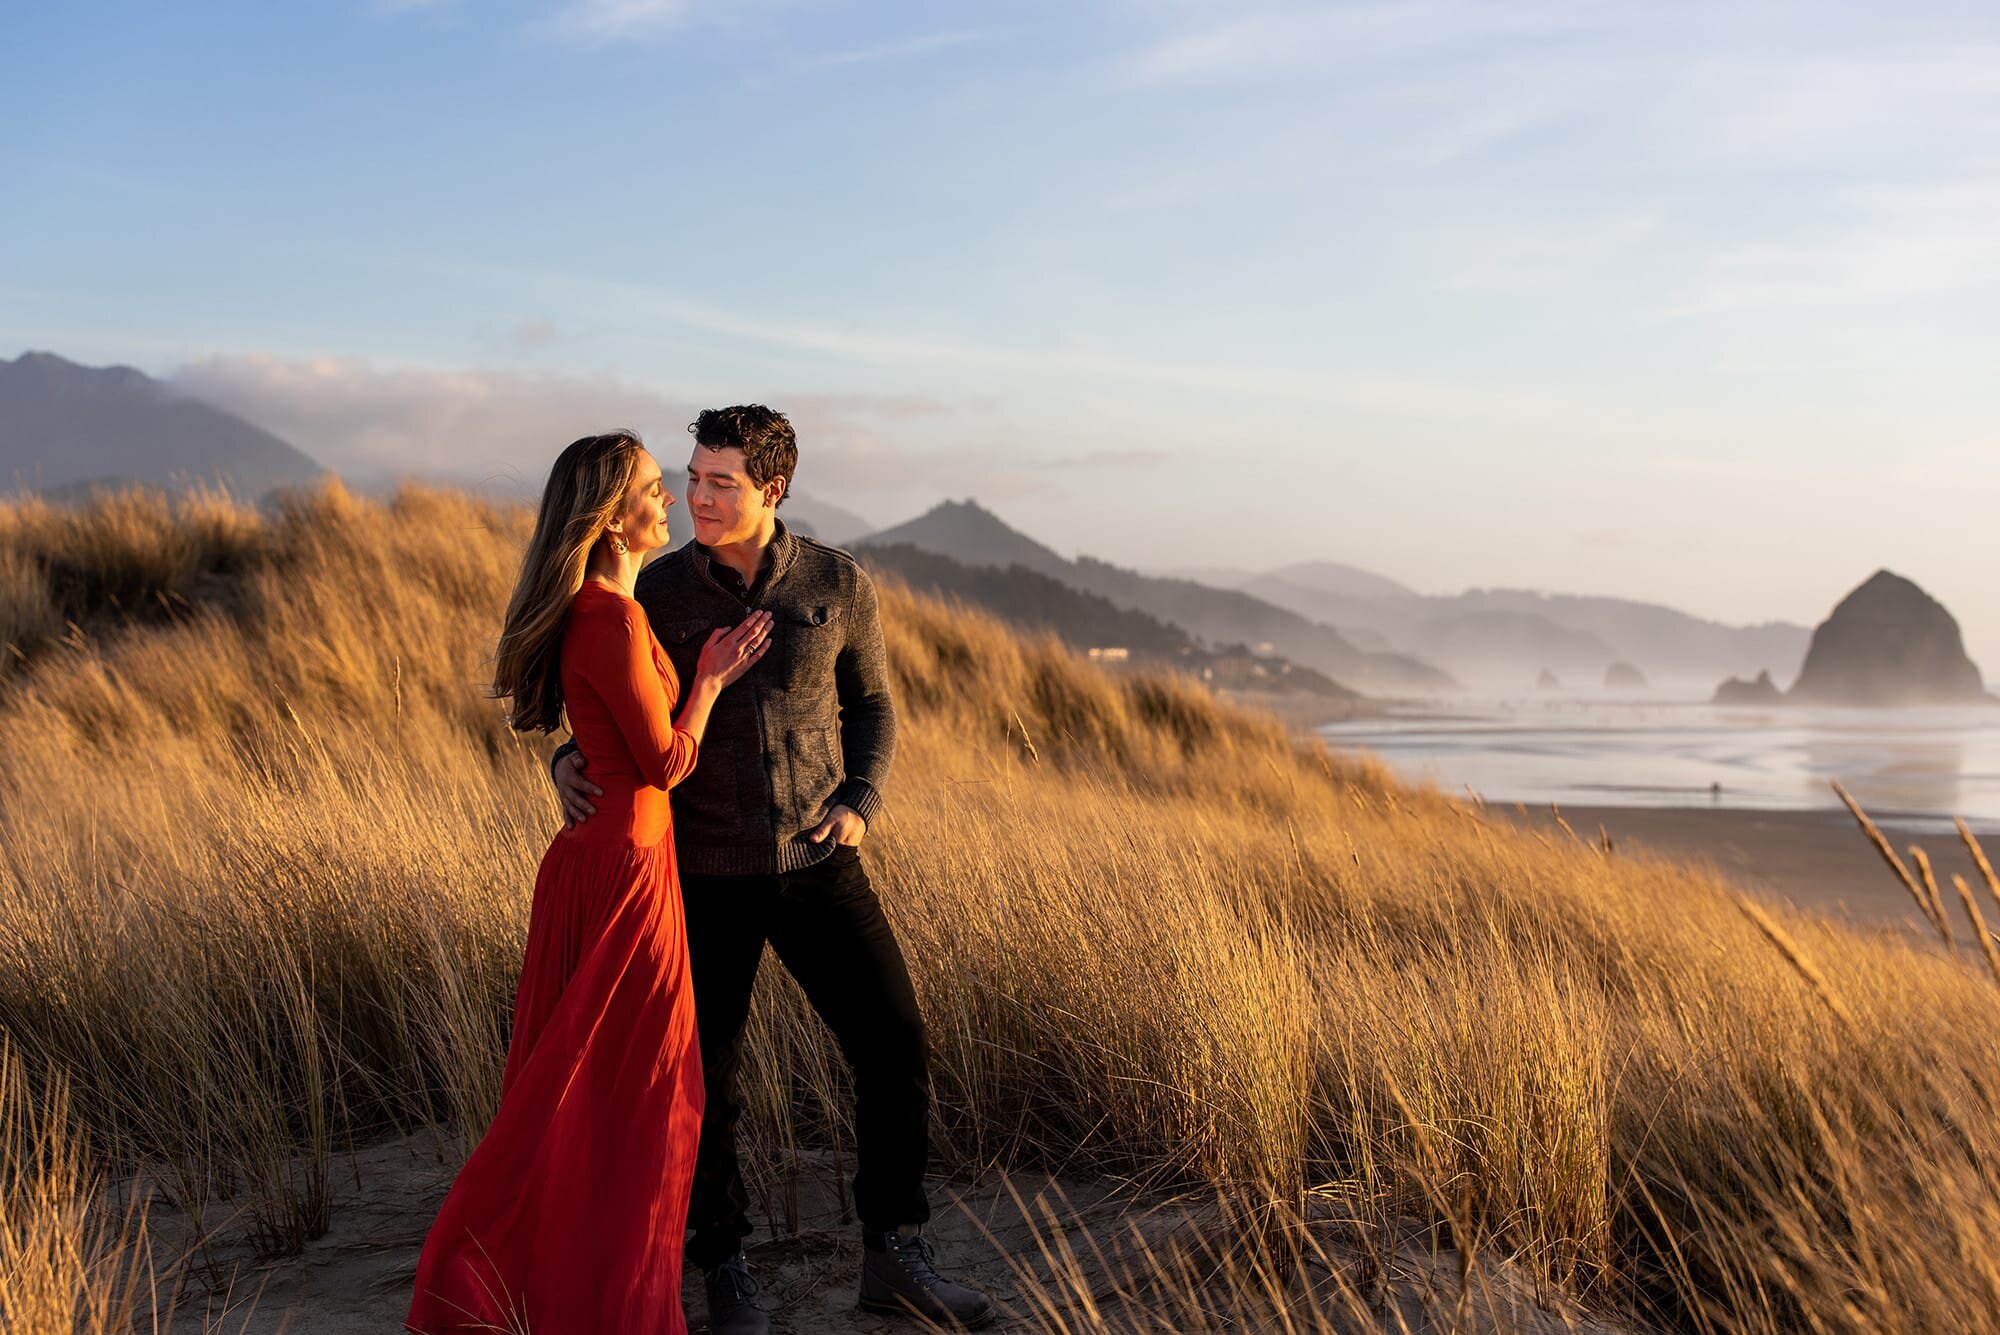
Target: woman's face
642,520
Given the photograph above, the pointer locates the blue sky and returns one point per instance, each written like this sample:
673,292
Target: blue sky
1690,302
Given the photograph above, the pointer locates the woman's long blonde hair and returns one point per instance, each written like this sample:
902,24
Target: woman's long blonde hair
585,492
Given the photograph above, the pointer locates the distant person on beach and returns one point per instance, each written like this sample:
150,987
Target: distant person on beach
769,829
568,1217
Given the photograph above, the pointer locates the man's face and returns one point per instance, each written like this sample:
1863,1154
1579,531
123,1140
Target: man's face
725,505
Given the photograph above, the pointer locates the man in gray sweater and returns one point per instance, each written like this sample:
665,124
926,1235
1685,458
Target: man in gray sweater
767,835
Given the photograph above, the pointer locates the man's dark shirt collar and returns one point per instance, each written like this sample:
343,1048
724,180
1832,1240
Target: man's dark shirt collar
732,582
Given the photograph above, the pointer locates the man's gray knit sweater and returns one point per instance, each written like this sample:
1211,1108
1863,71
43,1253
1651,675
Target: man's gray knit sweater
809,727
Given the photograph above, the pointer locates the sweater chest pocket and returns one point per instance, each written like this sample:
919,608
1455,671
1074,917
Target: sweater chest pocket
809,639
683,640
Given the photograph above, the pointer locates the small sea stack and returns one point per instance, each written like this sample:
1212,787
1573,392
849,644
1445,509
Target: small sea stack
1888,643
1737,691
1622,676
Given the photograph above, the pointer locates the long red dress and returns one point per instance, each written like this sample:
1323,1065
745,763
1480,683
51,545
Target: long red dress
568,1219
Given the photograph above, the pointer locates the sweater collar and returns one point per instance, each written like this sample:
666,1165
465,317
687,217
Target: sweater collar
783,551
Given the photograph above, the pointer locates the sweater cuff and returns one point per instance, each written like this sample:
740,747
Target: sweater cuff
859,796
562,753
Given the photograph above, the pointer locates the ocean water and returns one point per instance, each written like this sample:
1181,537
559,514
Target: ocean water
1914,769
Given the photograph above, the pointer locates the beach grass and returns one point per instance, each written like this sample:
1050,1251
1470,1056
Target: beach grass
264,890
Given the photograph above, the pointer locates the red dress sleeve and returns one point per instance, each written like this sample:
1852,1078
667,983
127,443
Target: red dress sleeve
619,663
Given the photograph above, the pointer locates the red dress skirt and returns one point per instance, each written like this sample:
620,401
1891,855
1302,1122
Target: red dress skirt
568,1219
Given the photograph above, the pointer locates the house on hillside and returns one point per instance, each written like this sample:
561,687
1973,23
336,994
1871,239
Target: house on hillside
1236,667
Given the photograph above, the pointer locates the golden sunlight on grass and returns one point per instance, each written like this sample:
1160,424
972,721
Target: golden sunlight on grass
264,889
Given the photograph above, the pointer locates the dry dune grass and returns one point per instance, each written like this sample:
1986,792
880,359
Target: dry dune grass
263,893
63,1264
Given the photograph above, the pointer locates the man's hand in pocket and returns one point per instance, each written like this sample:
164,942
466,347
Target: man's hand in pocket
843,825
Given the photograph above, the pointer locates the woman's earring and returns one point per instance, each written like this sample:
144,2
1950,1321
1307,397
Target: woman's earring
618,544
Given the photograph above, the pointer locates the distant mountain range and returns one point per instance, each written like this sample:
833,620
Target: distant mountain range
969,533
1313,577
1506,638
1035,602
66,428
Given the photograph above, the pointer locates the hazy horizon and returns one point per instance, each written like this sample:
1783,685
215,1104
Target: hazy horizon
1694,306
299,413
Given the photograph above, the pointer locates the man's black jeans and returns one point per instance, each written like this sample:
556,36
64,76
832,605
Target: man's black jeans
828,929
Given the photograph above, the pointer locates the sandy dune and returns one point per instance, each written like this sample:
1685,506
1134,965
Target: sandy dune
357,1278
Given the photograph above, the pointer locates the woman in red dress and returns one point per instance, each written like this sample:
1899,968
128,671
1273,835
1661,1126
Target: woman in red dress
568,1218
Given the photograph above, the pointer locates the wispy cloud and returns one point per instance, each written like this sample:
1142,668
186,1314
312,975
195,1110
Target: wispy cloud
1232,49
501,428
600,20
896,50
533,335
1913,99
994,372
1534,254
910,350
364,421
1270,41
1893,243
1134,457
610,20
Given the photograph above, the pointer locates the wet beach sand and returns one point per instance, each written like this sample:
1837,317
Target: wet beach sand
1816,860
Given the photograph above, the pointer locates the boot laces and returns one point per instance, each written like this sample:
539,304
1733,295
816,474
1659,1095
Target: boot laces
918,1259
731,1281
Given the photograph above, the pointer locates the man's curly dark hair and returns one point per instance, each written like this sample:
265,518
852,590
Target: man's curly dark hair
770,449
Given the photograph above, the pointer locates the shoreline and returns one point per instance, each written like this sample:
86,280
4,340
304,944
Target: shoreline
1817,860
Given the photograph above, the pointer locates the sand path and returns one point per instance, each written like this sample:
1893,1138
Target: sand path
357,1277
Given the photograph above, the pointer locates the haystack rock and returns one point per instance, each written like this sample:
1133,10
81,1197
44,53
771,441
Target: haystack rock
1737,691
1888,643
1624,676
1548,681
